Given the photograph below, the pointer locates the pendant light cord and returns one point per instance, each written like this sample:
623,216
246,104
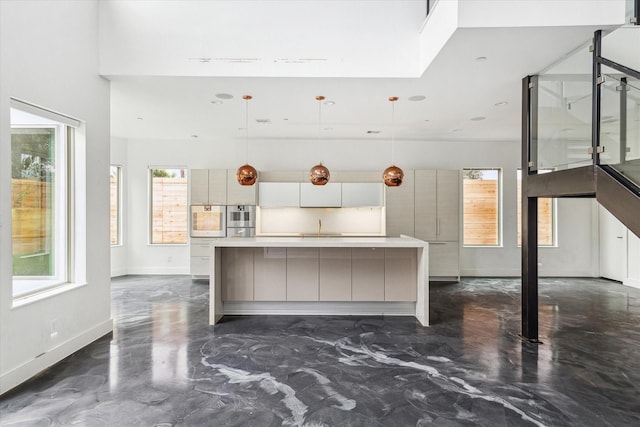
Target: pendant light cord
393,132
246,130
319,98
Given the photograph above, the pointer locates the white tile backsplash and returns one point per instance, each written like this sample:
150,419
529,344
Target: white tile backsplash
361,221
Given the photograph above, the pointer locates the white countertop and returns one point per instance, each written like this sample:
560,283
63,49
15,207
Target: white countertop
319,242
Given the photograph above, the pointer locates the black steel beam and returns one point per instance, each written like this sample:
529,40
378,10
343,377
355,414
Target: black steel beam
621,201
576,182
529,218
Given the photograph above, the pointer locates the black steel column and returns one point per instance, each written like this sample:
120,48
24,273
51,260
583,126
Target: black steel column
623,120
529,212
596,96
636,12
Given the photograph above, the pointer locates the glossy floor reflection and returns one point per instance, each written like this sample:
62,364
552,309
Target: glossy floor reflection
165,366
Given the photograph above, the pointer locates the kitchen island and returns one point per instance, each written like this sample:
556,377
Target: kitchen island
318,275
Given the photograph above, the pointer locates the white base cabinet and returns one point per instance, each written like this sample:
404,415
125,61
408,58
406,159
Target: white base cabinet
318,274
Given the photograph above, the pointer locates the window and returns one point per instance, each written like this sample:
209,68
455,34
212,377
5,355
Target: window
546,216
115,205
481,204
42,166
168,205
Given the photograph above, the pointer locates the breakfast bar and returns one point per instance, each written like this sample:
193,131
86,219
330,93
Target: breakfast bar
319,275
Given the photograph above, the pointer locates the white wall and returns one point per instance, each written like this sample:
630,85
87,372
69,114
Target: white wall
48,57
577,218
120,252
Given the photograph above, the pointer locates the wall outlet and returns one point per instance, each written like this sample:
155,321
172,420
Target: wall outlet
53,329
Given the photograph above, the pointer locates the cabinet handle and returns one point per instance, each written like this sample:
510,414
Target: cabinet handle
437,226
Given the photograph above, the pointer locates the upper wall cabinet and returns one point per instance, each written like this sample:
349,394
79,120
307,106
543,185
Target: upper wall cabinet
279,194
400,204
437,205
320,196
355,194
240,194
208,186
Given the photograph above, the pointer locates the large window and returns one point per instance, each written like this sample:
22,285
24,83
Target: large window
546,216
115,205
168,205
41,199
481,198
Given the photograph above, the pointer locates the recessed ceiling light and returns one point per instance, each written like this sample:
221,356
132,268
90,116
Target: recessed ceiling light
481,58
456,130
478,118
329,103
140,118
327,128
216,102
224,96
263,121
373,131
426,120
417,98
285,118
501,103
194,136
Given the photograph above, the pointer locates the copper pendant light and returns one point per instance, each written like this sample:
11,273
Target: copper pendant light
246,174
319,174
393,175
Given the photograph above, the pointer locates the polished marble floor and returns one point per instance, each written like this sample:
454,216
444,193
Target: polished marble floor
165,366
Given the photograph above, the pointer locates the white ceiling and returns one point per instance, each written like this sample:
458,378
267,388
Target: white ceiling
168,64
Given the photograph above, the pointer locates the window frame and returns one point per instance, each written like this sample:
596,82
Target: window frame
554,213
150,241
119,207
499,208
26,288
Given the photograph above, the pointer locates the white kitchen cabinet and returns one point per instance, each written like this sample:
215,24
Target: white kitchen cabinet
367,274
240,194
199,185
448,205
335,274
320,196
270,274
400,274
279,194
200,253
208,186
355,194
437,219
237,274
444,259
400,207
425,205
302,274
217,187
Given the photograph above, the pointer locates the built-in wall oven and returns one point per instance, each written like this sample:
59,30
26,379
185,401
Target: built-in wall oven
208,221
241,221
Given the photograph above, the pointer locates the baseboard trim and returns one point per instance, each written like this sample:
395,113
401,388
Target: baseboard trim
159,270
22,373
629,281
319,308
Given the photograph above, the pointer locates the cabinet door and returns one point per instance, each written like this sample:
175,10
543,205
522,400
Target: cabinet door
448,202
200,266
367,274
279,194
199,185
355,194
217,187
335,274
425,208
400,205
444,259
400,283
239,194
320,196
237,274
270,272
302,274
